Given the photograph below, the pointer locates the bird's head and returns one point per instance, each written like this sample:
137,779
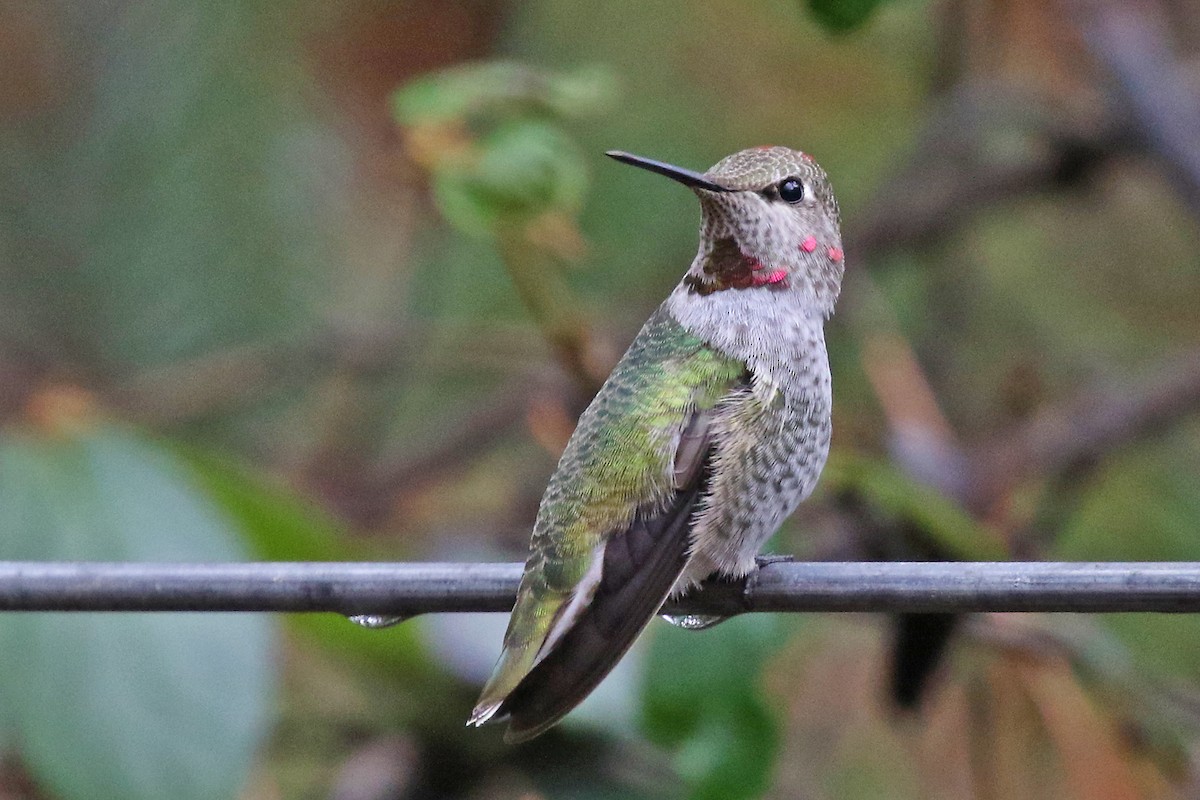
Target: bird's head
770,223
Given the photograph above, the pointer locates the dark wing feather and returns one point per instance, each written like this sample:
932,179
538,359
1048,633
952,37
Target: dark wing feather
641,564
920,641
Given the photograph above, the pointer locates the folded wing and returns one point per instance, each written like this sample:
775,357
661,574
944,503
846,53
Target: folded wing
612,534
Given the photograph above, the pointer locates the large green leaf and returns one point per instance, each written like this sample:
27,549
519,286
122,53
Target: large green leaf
125,706
841,16
524,168
279,525
702,699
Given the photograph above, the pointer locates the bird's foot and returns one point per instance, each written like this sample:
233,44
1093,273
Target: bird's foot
772,558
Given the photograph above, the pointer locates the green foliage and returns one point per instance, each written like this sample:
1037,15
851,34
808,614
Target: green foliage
279,526
131,706
703,701
502,89
841,16
1143,508
166,210
893,492
491,135
523,168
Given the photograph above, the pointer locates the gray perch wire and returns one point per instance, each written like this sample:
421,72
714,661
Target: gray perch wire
408,589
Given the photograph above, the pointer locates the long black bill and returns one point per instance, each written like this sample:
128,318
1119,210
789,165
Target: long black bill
685,176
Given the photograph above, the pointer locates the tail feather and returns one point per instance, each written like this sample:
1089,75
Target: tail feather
484,713
641,565
920,641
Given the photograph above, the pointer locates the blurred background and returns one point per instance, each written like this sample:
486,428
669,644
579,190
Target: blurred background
301,281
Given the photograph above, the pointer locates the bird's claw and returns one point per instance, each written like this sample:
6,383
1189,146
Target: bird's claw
772,558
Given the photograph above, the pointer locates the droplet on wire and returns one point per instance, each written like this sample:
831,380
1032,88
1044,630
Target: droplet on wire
693,622
376,621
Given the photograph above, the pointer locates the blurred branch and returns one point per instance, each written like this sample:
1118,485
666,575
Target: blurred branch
1098,656
985,144
1133,42
243,374
1084,429
494,418
920,439
406,590
537,275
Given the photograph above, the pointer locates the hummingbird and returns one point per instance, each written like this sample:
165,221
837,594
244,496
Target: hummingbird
710,431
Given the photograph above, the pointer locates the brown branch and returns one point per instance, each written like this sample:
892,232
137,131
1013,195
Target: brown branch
495,417
241,375
950,177
1084,429
537,275
953,174
1131,40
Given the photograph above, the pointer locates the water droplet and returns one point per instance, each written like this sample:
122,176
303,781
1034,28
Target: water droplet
376,621
693,622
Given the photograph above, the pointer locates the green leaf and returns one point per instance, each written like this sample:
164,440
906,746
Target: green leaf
731,754
841,16
501,88
125,706
524,168
702,699
277,524
281,526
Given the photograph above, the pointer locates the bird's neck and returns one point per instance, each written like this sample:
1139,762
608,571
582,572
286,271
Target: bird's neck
775,336
804,265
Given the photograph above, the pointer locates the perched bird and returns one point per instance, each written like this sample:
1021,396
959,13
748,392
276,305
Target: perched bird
708,433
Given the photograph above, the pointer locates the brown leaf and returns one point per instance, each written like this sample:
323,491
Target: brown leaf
1094,762
1015,754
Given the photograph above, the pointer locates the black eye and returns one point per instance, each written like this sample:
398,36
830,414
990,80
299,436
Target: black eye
791,190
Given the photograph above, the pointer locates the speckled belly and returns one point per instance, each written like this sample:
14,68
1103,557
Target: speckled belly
769,454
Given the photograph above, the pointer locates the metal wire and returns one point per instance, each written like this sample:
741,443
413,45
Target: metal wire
408,589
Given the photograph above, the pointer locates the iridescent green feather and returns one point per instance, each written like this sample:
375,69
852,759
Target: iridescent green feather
620,458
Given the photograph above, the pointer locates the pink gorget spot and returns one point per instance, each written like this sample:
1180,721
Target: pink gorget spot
835,254
775,276
809,244
753,263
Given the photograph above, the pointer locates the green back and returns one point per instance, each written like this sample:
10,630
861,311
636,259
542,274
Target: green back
621,457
